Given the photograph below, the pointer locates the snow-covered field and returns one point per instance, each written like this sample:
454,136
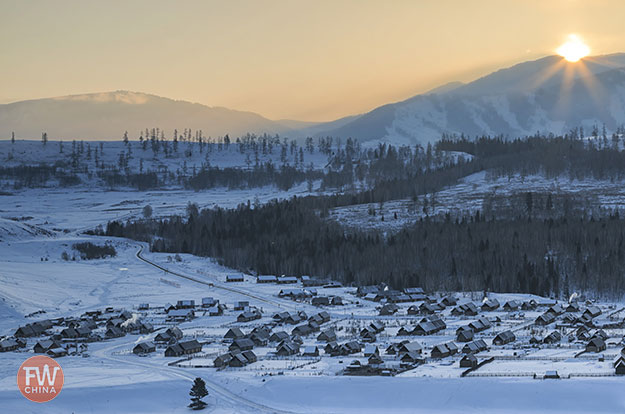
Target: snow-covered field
35,279
33,152
112,379
85,208
468,196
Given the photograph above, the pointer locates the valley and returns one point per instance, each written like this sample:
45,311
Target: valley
36,281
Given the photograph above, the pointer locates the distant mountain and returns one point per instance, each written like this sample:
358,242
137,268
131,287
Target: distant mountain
447,87
317,129
547,95
107,115
294,124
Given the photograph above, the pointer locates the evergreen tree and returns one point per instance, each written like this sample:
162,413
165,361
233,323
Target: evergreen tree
529,202
12,137
198,391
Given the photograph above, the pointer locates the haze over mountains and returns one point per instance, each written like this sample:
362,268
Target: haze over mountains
105,116
546,95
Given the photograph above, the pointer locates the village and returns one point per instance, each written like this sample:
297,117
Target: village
306,326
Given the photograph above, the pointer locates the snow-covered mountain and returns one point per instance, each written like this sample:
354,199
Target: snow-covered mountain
547,95
105,116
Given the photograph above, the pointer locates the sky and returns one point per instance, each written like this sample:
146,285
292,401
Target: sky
306,60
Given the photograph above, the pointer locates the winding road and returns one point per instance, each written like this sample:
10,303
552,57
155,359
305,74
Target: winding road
220,391
210,284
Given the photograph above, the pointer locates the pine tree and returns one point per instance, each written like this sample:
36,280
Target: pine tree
549,205
12,137
198,391
44,138
529,202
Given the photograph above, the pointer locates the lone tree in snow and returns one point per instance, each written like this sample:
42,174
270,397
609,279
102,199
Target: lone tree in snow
147,211
198,391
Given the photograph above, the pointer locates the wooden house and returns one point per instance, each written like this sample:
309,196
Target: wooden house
266,279
242,344
596,344
44,346
468,361
185,304
234,333
553,338
490,305
8,345
183,348
311,351
234,278
512,305
475,346
504,338
144,348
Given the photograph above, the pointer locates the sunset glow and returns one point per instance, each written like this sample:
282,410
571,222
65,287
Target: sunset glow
313,68
574,49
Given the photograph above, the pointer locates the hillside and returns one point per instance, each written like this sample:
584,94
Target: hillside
15,230
546,95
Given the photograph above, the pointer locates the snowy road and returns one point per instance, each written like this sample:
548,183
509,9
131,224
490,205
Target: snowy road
212,284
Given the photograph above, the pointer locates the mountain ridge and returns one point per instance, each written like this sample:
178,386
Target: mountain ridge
518,100
515,101
106,115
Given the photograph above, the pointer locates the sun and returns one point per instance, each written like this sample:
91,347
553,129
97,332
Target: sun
574,49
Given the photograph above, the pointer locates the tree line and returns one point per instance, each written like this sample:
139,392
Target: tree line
550,256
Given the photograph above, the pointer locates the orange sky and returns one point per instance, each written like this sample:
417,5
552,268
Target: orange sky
308,60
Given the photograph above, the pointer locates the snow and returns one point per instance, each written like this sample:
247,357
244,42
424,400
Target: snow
13,230
512,102
34,277
32,152
468,196
85,208
115,380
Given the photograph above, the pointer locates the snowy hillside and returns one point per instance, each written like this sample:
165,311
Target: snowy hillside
473,193
546,95
15,230
33,152
88,163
